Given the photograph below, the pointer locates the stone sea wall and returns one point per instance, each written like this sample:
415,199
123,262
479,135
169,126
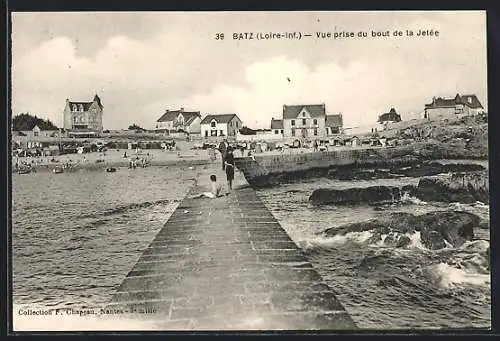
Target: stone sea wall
268,170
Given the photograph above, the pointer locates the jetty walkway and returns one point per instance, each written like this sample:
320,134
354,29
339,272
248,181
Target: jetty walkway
226,264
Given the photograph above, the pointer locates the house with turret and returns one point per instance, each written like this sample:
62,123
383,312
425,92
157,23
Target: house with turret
83,119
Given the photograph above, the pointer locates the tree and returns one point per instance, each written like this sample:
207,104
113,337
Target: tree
135,127
25,121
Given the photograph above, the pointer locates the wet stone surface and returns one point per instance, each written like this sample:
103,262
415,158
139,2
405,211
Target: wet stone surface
227,264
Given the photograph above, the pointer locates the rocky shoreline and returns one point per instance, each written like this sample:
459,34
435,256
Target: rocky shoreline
455,187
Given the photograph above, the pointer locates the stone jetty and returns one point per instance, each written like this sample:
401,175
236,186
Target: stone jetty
226,264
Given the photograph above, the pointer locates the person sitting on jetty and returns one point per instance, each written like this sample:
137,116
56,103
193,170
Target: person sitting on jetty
215,191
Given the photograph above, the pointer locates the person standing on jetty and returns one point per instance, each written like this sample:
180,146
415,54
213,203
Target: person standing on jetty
223,147
229,164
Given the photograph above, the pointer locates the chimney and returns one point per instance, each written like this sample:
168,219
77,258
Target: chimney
182,109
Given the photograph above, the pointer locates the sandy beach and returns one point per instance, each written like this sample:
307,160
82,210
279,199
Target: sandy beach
117,158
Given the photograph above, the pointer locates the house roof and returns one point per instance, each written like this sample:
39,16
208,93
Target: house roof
98,100
276,124
334,120
470,100
392,115
292,111
222,118
190,118
86,105
172,115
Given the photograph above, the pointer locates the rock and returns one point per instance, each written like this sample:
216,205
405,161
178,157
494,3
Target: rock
373,194
412,168
435,228
421,170
465,188
433,240
370,225
375,238
397,240
409,190
399,222
455,227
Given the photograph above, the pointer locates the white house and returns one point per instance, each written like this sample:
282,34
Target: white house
277,128
223,125
446,108
304,121
180,120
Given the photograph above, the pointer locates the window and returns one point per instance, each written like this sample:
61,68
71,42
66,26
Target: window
74,107
315,132
35,133
315,122
213,133
75,119
276,131
221,132
303,114
293,122
334,130
293,132
282,131
212,124
206,133
81,107
303,121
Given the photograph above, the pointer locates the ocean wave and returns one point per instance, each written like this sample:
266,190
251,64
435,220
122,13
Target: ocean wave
132,206
407,198
329,242
448,276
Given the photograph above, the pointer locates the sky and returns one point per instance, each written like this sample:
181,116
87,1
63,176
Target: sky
143,63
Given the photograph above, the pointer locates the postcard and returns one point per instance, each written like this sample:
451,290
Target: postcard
308,170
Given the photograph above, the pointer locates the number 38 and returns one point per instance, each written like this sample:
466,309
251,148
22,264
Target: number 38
219,36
